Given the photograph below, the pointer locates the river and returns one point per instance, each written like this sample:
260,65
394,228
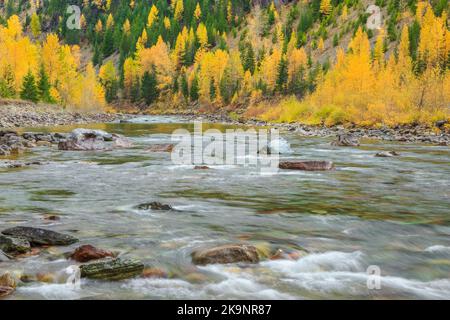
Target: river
386,214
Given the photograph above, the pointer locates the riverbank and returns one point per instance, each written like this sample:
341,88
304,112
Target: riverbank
16,113
408,133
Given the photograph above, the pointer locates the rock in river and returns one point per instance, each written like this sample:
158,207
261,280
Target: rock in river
160,148
307,165
3,257
85,140
14,245
387,154
7,284
345,140
229,253
154,206
38,236
88,253
110,270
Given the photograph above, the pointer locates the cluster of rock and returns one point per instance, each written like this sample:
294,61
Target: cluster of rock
15,114
12,142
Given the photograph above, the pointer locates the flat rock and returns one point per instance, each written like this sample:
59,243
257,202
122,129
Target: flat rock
154,206
307,165
387,154
38,236
201,168
88,253
112,270
229,253
166,147
14,245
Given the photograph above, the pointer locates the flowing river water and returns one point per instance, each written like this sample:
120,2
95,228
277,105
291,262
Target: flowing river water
392,213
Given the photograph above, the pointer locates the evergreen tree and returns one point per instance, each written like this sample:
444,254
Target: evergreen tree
282,75
29,90
212,90
248,58
194,93
43,86
184,87
149,90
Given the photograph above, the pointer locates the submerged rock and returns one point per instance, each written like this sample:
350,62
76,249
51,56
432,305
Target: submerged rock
229,253
165,147
387,154
345,140
307,165
38,236
154,273
3,257
112,270
14,245
154,206
88,253
121,141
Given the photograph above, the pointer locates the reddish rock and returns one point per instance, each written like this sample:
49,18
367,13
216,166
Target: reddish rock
51,217
87,253
307,165
5,291
229,253
201,168
167,147
154,273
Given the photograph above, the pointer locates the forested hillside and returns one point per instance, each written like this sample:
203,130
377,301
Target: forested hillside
313,61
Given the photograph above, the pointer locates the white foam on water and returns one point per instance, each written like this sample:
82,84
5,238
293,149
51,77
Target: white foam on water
53,291
162,288
438,249
328,261
344,274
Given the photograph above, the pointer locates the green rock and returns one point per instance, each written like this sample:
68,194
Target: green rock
14,245
112,270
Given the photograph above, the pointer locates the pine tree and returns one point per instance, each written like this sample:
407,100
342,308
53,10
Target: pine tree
184,87
282,75
194,92
248,58
29,90
149,90
43,86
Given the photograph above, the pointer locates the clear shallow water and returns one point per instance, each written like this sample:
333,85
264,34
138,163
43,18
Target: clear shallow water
389,212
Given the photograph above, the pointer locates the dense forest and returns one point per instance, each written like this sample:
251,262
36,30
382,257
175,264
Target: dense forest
312,61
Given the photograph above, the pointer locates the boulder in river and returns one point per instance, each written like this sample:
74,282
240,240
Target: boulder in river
229,253
307,165
345,140
387,154
84,140
7,284
88,253
154,206
38,236
14,245
112,270
165,147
